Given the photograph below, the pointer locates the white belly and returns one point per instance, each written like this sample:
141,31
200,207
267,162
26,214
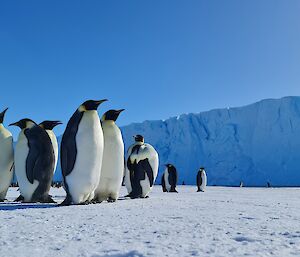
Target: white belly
21,152
84,178
112,164
6,161
166,178
127,180
55,147
204,181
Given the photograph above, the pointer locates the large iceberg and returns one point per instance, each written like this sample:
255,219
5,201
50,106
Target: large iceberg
255,144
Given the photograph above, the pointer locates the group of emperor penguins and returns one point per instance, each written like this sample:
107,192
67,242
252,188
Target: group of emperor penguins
91,155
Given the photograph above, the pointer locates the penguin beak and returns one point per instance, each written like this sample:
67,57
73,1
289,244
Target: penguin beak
117,113
55,123
97,103
2,115
14,124
58,123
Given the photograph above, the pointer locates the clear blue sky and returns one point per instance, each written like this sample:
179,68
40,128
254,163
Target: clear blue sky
155,58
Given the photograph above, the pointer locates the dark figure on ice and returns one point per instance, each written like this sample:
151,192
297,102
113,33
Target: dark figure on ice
163,184
201,180
170,178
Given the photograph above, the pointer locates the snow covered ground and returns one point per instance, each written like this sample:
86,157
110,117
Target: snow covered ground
220,222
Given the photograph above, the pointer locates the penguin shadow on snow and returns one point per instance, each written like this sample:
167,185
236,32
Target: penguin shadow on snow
129,254
11,206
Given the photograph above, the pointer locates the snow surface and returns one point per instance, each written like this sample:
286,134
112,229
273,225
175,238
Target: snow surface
223,221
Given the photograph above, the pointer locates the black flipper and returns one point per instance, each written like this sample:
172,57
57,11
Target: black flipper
32,160
148,169
199,180
68,149
137,175
172,178
163,183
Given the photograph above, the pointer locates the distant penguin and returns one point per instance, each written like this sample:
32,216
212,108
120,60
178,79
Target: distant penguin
163,184
113,159
201,180
170,178
81,154
48,125
241,184
141,168
34,162
6,158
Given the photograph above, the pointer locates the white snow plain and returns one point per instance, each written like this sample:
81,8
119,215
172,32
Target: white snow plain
222,221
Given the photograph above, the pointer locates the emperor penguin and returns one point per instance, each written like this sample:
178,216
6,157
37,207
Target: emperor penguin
48,125
141,168
201,180
81,154
170,178
34,162
113,159
6,158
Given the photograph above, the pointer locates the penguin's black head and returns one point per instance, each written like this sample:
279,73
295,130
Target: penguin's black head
24,123
49,124
112,115
139,138
201,168
2,115
168,165
91,105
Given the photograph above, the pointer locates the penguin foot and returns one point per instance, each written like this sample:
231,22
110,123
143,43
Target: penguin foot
42,199
84,203
95,201
48,200
19,199
145,197
135,196
111,200
66,202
